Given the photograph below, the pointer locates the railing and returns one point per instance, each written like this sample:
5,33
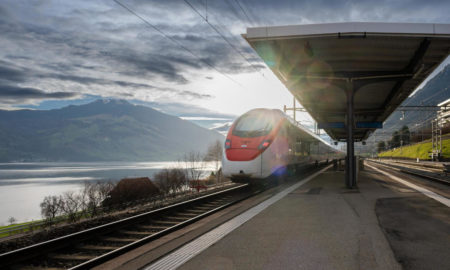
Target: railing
22,228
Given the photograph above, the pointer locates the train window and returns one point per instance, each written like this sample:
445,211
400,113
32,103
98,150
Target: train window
306,148
298,146
253,125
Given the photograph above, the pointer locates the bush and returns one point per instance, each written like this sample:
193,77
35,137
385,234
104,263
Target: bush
130,190
170,181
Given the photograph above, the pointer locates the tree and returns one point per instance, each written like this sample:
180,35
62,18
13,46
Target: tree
214,154
162,180
177,179
50,207
405,135
170,181
12,220
381,146
194,166
92,197
104,190
70,205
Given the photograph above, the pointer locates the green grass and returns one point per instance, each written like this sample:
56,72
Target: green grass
420,150
16,225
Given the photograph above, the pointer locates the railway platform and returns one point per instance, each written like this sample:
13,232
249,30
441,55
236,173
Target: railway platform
315,223
320,224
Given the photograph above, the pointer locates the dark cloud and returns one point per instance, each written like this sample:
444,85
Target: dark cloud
90,81
11,74
86,42
143,65
132,85
12,94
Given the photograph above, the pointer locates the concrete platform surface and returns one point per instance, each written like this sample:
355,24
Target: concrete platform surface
322,225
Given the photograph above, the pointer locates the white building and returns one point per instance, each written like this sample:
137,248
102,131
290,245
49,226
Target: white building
444,113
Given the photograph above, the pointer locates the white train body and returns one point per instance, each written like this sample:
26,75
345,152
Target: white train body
264,142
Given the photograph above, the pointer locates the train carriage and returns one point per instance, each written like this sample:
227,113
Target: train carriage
264,142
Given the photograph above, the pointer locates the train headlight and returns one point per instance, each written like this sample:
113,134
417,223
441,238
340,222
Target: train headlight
264,144
227,144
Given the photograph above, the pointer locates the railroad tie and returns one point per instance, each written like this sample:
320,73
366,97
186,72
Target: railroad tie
180,219
99,248
168,222
184,214
117,239
194,210
134,232
153,227
71,257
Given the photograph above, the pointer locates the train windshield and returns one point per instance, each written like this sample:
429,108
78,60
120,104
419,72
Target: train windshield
253,125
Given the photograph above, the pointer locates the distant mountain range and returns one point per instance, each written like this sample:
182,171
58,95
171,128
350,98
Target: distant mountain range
434,92
104,130
223,128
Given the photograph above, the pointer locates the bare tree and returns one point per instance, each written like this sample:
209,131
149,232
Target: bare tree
162,179
170,181
71,205
50,207
104,189
214,154
194,166
177,179
92,197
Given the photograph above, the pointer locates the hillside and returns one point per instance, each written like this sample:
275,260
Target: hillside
419,150
434,92
104,130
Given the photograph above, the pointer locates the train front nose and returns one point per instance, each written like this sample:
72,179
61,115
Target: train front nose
241,169
246,140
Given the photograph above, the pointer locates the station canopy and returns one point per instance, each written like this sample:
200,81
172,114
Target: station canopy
382,63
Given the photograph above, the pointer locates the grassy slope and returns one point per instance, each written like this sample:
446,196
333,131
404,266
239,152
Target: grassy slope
420,150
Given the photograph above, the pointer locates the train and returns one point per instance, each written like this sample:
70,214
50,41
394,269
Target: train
266,143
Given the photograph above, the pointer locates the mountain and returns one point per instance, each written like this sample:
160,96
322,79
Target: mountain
104,130
223,128
434,92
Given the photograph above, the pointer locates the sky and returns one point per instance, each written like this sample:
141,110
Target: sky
185,58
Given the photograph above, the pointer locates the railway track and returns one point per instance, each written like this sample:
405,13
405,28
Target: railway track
426,172
91,247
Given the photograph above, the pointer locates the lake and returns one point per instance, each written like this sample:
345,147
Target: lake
23,186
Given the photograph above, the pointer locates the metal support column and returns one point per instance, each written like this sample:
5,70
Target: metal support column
350,173
295,119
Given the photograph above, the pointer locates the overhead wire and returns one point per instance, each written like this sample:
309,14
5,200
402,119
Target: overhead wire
245,13
233,9
223,37
256,20
174,41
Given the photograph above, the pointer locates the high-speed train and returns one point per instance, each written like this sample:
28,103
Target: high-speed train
266,142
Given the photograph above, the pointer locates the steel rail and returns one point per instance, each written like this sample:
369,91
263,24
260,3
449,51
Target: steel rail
26,253
110,255
405,169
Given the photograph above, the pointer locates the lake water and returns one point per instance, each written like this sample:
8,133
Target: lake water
23,186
